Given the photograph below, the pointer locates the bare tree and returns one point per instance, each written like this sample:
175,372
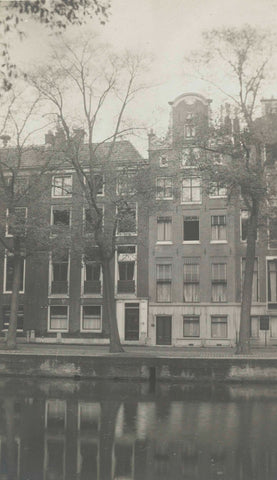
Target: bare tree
92,82
244,56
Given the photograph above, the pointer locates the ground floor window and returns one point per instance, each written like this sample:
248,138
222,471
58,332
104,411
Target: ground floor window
58,318
55,414
191,324
6,312
254,326
91,318
273,327
219,326
131,321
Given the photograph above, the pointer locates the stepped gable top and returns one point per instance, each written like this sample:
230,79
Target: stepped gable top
124,153
190,98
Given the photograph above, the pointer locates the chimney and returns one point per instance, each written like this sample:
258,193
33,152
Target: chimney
5,139
49,138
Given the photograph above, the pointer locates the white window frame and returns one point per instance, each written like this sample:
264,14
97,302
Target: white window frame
89,330
166,281
220,281
223,240
164,178
83,278
5,274
133,258
7,234
164,242
64,175
49,319
267,259
50,275
191,316
218,195
190,149
190,187
128,234
219,316
60,208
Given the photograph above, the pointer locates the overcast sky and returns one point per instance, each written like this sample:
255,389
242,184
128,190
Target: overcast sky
168,30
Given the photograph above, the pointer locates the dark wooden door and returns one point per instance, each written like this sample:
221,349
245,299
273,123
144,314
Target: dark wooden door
163,330
132,321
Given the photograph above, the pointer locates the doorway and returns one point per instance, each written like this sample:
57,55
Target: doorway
163,329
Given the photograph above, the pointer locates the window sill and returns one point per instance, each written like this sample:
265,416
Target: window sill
50,330
21,292
90,331
216,242
191,203
164,198
58,295
191,242
126,234
217,196
164,243
61,196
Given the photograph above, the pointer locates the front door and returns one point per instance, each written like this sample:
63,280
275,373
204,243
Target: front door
163,330
132,321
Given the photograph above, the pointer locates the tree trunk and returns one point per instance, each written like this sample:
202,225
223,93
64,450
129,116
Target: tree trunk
11,338
244,331
115,345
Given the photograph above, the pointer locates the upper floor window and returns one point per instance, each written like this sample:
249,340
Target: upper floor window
191,282
272,233
127,219
189,126
191,190
62,186
189,157
218,225
164,229
219,282
191,229
91,221
99,184
244,220
9,273
60,216
16,222
215,190
272,282
163,160
164,189
92,278
59,273
164,277
126,268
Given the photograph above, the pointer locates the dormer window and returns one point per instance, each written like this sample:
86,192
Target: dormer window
189,126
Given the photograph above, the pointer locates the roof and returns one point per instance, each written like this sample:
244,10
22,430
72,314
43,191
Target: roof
124,153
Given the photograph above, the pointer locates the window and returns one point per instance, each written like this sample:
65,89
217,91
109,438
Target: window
163,161
219,282
164,188
127,219
89,416
255,284
191,283
91,318
91,222
9,269
16,222
189,157
218,223
219,326
99,184
60,217
55,414
244,216
272,231
164,276
126,259
191,229
191,324
92,276
254,326
272,281
191,190
59,274
58,317
189,126
164,229
62,186
215,190
6,312
126,182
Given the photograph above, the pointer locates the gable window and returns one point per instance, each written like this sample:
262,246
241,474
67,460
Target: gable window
9,271
163,161
219,282
59,274
16,222
126,260
218,225
58,317
255,283
60,217
219,326
216,190
91,318
164,278
92,276
164,229
191,229
62,186
164,188
244,219
127,219
191,325
191,190
191,283
272,283
6,312
189,126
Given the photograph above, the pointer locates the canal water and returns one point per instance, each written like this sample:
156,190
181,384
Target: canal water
65,429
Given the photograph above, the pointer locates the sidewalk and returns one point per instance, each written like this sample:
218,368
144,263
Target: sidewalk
137,351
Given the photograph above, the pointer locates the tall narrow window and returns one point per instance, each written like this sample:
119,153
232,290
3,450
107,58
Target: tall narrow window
164,229
191,190
59,274
164,278
272,282
127,219
92,276
218,223
164,188
191,283
191,229
272,231
16,222
219,282
255,283
244,219
189,130
219,326
9,271
62,186
191,324
126,259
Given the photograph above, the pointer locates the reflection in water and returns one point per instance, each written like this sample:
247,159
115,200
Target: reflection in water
67,430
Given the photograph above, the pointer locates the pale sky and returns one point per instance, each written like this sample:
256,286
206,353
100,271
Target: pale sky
168,30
